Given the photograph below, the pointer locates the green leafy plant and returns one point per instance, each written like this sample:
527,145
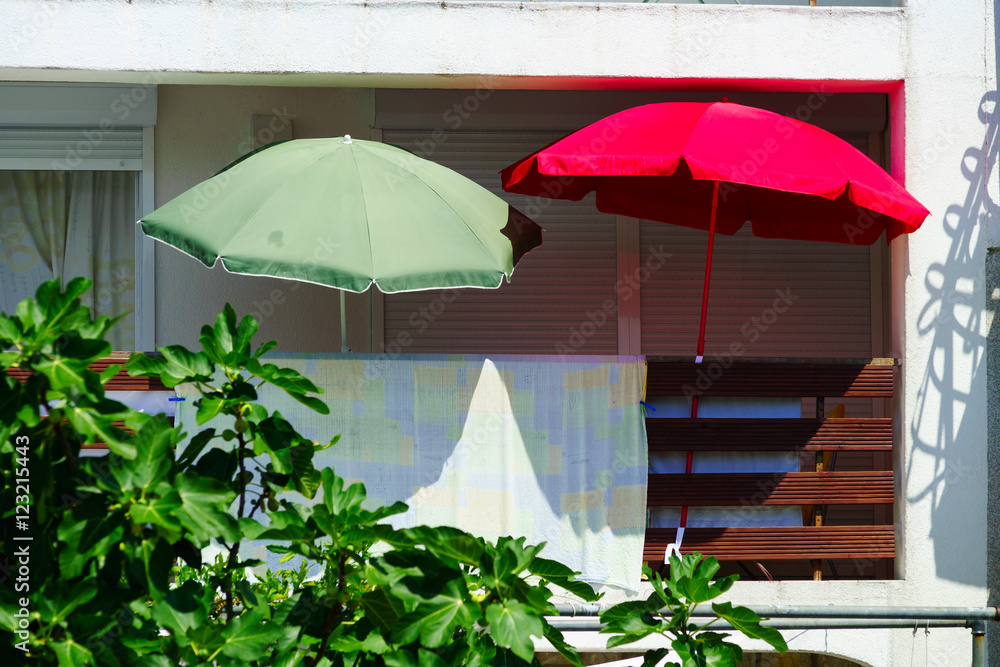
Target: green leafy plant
117,576
274,586
227,373
668,611
112,545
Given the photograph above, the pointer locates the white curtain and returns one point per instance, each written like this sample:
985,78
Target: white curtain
68,224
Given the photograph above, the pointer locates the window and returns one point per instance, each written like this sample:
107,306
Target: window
66,224
75,175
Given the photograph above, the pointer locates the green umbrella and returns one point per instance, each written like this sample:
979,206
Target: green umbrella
347,213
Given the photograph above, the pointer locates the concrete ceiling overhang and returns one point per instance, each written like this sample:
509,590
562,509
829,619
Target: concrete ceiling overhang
420,43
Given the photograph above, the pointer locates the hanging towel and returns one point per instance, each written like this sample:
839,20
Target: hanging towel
549,448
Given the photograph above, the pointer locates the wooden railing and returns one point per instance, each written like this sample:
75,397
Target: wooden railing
811,544
122,381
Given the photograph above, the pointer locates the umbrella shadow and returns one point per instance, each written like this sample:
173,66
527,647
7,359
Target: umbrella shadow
945,426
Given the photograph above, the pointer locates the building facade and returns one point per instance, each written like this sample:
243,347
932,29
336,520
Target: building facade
170,91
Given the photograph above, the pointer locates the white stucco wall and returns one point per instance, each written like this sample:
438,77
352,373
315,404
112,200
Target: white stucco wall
424,42
943,52
199,131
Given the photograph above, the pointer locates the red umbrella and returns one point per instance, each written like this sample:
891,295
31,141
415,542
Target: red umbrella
672,161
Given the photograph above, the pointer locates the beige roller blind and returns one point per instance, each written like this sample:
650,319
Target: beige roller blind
775,298
544,310
63,148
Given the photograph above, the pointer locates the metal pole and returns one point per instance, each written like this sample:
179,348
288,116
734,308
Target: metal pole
819,611
978,643
583,617
343,321
592,624
675,547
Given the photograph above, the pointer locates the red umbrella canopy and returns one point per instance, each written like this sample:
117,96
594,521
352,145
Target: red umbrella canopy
790,179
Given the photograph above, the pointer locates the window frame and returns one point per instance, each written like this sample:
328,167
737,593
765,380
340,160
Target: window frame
100,109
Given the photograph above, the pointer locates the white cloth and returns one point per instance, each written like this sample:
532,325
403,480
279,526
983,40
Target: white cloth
548,448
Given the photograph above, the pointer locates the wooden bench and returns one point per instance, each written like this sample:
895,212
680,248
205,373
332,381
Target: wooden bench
758,377
816,379
122,381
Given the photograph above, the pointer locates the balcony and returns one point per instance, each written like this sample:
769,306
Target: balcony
856,544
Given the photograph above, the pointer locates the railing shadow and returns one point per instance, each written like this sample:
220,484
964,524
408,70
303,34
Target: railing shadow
945,426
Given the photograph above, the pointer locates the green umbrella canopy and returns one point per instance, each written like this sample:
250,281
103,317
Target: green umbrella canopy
347,213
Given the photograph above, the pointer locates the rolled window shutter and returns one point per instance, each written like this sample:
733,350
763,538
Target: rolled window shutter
768,297
70,148
555,301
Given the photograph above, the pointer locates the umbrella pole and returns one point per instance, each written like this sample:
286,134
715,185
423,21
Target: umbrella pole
701,330
343,321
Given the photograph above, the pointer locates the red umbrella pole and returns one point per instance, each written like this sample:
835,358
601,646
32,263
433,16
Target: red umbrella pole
701,331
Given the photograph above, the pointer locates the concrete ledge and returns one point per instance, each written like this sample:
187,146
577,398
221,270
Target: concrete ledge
412,42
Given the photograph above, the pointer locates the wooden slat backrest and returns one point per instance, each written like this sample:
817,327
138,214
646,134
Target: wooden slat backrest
817,379
122,381
730,435
761,378
737,490
764,544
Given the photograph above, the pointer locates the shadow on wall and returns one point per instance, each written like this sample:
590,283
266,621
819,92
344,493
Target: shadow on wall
953,319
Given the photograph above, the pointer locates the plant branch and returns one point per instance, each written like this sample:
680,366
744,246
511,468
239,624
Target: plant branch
256,505
60,434
234,550
707,624
328,629
241,450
